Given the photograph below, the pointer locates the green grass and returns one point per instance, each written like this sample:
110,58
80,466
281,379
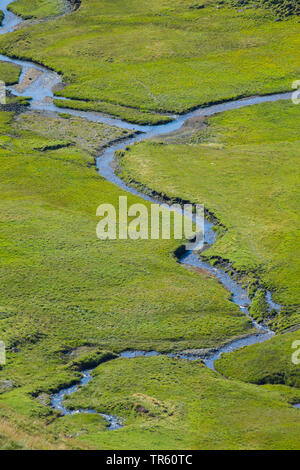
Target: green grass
20,430
65,129
9,73
282,8
62,289
177,404
37,8
244,166
162,56
129,114
77,426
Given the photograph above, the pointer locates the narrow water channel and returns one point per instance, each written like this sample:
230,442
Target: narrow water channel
41,90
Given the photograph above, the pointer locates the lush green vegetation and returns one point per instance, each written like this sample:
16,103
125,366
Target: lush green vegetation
38,8
122,112
70,301
66,130
243,167
162,56
259,307
9,73
176,404
18,432
281,7
77,281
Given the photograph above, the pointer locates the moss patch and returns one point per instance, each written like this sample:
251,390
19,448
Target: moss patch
161,56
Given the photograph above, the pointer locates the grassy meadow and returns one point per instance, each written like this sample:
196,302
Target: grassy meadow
268,363
243,165
126,113
19,432
116,293
66,296
160,56
282,8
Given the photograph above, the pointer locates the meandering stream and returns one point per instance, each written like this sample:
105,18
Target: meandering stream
41,90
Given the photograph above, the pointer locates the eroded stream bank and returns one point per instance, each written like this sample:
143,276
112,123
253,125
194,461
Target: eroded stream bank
40,88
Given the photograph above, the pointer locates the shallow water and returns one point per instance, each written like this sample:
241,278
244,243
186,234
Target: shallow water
41,90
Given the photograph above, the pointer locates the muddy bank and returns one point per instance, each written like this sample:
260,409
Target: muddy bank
39,82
